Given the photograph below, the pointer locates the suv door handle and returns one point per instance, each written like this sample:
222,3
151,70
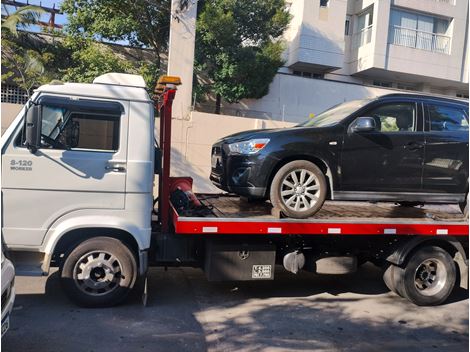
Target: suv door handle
414,145
115,168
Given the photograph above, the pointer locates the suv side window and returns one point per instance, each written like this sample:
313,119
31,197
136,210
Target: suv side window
395,117
447,118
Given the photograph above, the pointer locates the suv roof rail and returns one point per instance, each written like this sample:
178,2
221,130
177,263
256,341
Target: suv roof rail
425,96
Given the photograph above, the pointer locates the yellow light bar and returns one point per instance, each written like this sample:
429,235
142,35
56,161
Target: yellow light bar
169,80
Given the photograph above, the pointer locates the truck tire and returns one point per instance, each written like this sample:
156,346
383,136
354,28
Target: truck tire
388,277
298,189
100,272
428,277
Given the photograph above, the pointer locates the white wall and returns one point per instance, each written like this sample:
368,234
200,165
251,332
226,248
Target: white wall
294,98
9,112
316,34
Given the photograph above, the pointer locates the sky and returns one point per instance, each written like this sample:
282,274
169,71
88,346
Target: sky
59,19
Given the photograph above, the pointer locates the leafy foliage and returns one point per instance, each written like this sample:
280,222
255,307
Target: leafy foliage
23,17
89,59
238,46
139,23
28,60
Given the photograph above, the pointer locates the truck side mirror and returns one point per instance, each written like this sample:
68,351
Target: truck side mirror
33,128
363,124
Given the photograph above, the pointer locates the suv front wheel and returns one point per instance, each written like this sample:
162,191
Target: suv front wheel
298,189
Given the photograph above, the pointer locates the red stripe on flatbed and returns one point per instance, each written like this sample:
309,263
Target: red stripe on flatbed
225,226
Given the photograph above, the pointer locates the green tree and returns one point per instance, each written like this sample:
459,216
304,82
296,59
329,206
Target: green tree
89,59
140,23
23,64
239,47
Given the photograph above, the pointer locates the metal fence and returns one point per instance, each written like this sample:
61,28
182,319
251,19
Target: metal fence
413,38
13,94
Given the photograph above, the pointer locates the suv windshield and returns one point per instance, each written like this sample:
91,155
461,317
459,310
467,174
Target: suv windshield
335,114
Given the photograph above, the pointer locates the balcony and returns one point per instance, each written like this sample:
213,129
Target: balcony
412,38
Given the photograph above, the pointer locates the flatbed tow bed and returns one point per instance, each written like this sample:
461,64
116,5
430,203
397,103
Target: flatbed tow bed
104,237
232,215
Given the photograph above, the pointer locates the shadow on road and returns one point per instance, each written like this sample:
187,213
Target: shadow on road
187,313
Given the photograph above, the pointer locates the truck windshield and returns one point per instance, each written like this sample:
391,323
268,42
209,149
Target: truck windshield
335,114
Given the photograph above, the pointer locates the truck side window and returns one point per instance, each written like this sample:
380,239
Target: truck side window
447,118
90,131
69,129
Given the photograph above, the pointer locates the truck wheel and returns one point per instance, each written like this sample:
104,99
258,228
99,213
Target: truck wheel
298,189
428,277
99,272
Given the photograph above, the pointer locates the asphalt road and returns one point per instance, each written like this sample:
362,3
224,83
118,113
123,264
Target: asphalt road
187,313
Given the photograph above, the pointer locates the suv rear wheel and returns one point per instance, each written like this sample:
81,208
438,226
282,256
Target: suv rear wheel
298,189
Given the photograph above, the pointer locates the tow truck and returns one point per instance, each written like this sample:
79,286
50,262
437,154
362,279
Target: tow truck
79,164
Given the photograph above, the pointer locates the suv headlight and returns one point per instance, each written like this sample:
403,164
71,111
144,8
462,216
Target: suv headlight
249,147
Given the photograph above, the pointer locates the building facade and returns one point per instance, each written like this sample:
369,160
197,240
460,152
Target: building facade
338,50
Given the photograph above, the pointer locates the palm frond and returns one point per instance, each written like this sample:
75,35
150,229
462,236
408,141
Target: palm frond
23,17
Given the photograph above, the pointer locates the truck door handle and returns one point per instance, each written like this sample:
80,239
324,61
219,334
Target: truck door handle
115,168
414,145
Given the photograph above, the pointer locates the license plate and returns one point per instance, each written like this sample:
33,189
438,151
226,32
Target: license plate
5,324
261,272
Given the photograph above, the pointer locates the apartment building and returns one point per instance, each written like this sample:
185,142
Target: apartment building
339,50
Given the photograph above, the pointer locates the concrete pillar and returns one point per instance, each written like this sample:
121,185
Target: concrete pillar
181,53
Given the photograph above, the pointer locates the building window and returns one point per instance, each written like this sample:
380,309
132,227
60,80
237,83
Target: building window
363,34
347,25
324,3
308,74
462,95
419,31
382,84
406,86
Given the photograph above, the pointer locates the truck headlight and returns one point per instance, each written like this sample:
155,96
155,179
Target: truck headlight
249,147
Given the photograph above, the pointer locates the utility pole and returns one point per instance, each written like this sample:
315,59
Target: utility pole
181,53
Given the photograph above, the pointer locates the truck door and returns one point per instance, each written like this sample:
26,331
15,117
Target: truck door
81,165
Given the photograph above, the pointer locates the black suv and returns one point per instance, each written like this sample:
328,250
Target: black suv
398,147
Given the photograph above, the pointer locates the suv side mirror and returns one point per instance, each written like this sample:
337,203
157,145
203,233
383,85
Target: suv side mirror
33,128
363,124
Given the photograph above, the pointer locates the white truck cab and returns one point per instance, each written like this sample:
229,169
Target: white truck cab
69,173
